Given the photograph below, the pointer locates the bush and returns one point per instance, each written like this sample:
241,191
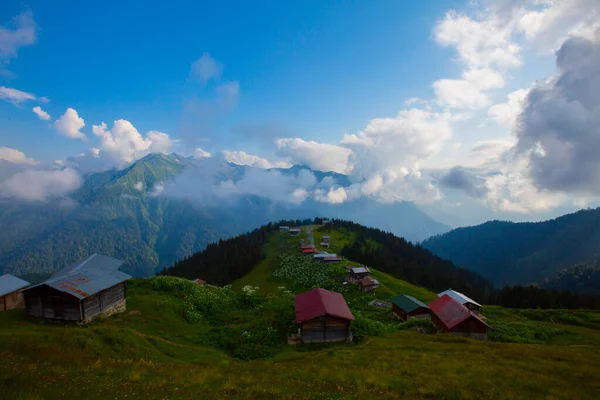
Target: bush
363,327
523,332
302,272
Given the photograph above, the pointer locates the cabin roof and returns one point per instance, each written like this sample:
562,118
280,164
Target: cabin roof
309,251
408,303
325,255
10,283
461,298
318,302
369,282
451,312
199,281
360,270
87,277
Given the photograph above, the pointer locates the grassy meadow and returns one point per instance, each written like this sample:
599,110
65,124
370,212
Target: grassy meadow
178,341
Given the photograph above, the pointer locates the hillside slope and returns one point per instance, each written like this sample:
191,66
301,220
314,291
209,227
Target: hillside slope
511,253
178,340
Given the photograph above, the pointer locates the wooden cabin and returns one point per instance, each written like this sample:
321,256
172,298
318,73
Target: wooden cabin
368,284
295,231
309,251
464,300
326,239
332,260
357,274
449,316
284,228
320,257
405,307
322,316
10,292
199,282
80,292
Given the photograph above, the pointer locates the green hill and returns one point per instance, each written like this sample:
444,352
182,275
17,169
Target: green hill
522,253
180,340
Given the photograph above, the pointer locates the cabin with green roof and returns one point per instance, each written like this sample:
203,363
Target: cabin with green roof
405,307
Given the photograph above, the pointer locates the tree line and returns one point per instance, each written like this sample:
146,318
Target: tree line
415,264
225,261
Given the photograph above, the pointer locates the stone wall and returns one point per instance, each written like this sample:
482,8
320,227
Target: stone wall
117,308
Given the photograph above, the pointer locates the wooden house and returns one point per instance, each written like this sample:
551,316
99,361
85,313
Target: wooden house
199,282
322,316
405,307
357,274
284,228
449,316
309,251
320,257
295,231
332,260
368,284
464,300
80,292
10,292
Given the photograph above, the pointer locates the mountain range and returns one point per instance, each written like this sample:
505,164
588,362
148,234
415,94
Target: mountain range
523,253
149,214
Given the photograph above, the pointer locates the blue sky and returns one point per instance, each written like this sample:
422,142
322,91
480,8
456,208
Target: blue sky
429,101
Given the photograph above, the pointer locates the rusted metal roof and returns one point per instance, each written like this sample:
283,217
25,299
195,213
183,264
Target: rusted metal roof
309,251
461,298
369,282
88,277
318,302
199,281
451,312
9,284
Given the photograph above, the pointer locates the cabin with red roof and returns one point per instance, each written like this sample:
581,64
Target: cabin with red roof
367,284
449,316
199,282
322,316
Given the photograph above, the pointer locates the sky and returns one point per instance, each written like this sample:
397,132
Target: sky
473,110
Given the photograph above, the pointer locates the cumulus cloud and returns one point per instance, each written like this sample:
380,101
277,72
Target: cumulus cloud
206,68
139,186
43,115
506,114
69,125
331,196
123,144
40,185
558,127
468,92
21,32
15,156
243,158
318,156
200,153
15,96
463,179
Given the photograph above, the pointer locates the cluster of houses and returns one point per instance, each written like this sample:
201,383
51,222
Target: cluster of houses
319,256
324,316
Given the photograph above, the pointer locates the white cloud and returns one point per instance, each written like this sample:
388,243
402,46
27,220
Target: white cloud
139,186
123,144
458,93
15,156
200,153
229,93
41,113
95,152
23,33
480,43
69,125
243,158
317,156
206,68
15,96
506,114
331,196
40,185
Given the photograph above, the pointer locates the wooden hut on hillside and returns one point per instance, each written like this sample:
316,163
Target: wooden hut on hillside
368,284
10,292
405,307
295,231
449,316
322,316
199,282
357,274
80,292
464,300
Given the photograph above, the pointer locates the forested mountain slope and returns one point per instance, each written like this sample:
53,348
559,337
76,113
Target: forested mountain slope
512,253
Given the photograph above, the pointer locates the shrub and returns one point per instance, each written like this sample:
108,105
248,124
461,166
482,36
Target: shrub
363,327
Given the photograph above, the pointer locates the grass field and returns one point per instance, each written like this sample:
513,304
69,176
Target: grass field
180,341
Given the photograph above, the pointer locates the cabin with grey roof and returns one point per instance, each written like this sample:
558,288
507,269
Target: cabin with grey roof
80,292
